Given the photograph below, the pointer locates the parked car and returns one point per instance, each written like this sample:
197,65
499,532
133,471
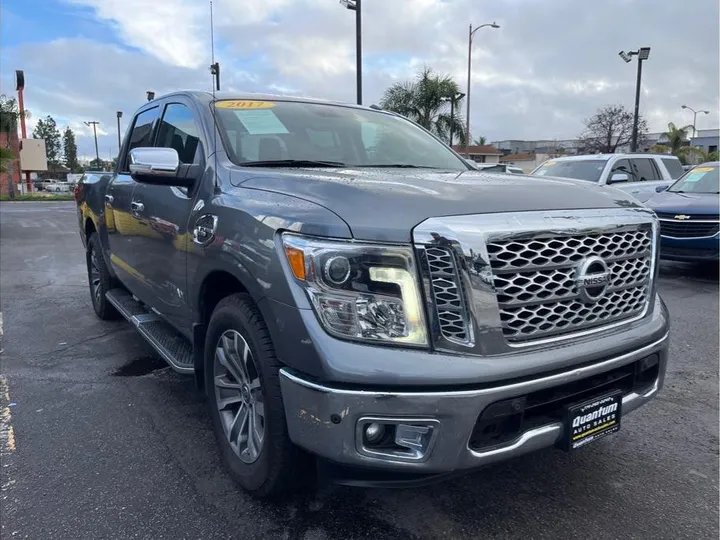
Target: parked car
688,213
381,311
56,186
637,174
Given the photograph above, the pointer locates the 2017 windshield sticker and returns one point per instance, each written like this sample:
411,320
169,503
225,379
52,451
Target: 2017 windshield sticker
244,104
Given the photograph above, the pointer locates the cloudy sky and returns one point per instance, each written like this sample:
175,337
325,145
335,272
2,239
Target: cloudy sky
550,65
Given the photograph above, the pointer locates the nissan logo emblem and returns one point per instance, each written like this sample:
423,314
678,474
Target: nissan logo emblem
592,279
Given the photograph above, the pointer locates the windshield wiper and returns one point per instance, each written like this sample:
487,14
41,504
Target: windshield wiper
293,163
394,166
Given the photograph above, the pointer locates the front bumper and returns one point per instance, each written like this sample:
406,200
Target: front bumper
690,249
327,420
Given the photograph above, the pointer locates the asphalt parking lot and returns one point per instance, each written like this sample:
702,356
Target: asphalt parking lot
100,440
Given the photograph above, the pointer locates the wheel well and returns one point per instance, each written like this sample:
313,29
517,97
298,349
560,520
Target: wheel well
216,286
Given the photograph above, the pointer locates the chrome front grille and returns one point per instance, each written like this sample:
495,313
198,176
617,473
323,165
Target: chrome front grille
499,281
447,294
535,281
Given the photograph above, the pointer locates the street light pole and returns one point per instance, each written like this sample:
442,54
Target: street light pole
94,124
471,33
643,54
119,116
695,113
356,6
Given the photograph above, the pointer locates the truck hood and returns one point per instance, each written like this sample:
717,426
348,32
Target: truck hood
386,204
668,202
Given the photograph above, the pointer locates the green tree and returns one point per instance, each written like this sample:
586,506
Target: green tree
480,141
9,118
6,155
426,101
47,129
610,128
70,151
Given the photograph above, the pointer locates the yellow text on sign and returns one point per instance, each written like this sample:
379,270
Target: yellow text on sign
702,169
244,104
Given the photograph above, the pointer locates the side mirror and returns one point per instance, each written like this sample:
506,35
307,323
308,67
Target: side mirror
158,166
660,189
618,177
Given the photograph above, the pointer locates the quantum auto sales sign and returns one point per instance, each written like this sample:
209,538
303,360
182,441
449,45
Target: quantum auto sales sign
593,420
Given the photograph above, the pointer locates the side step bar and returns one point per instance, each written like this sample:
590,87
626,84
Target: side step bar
171,346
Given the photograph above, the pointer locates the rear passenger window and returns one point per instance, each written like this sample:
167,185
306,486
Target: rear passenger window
674,167
644,169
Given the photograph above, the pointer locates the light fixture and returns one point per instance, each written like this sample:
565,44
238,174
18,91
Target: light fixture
625,56
349,4
150,95
644,53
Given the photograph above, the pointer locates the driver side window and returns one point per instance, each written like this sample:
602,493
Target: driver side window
178,130
622,166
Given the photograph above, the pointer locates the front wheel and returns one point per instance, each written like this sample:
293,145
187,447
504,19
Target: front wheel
246,407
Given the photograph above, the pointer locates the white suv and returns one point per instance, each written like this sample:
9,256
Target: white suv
641,175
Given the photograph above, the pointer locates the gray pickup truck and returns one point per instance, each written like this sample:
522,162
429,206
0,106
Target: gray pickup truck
355,301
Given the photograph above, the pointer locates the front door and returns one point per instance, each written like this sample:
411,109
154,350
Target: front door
163,213
121,227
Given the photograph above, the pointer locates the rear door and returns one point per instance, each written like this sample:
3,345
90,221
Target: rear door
163,212
121,227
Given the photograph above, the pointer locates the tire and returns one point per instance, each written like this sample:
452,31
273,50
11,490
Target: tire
99,280
277,467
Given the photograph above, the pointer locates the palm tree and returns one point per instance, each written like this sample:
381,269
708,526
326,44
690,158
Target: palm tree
676,137
425,101
480,141
9,116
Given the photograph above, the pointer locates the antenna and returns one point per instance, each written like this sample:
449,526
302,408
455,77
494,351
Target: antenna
214,66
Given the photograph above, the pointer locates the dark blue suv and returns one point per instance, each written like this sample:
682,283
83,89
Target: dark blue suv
688,212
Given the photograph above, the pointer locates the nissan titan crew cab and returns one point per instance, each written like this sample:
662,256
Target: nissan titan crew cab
354,299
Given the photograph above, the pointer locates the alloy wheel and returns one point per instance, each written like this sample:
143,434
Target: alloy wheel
238,396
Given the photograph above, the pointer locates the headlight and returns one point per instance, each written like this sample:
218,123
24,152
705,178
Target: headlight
360,291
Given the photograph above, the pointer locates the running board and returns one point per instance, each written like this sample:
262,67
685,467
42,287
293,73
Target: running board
170,345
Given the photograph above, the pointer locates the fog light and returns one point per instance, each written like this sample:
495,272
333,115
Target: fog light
374,432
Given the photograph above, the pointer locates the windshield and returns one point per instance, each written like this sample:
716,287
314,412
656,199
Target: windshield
698,180
588,169
303,134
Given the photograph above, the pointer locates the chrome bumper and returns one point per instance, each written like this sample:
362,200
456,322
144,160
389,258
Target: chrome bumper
325,420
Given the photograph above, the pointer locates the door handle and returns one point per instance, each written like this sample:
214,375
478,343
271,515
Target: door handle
137,207
109,199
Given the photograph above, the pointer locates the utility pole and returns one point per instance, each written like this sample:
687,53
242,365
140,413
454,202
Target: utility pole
356,6
94,124
453,100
